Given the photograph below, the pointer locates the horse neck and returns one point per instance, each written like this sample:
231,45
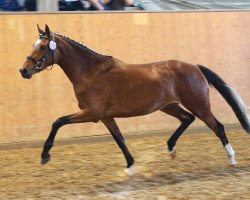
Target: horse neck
76,59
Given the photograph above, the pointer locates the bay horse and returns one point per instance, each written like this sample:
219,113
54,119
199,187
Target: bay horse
107,88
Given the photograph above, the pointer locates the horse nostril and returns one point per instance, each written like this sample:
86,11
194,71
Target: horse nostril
23,71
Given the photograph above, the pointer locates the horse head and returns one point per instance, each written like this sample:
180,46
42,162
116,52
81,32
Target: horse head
42,54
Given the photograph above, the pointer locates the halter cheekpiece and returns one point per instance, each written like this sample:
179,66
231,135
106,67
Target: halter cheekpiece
52,47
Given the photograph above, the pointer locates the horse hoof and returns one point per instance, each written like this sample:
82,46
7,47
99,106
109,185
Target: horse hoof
45,160
233,163
129,171
173,153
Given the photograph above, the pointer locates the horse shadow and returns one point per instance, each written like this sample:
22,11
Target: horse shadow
142,182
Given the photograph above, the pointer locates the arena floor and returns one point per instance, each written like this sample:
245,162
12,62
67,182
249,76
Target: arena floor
95,170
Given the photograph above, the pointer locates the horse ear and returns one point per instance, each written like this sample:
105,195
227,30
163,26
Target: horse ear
40,31
47,30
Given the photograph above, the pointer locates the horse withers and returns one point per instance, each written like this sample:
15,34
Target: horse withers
107,88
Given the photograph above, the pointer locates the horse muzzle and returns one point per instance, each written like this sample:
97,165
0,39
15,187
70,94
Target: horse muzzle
25,73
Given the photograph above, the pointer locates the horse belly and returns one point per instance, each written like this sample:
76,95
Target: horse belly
136,98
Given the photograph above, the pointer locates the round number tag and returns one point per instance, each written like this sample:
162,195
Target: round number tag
52,45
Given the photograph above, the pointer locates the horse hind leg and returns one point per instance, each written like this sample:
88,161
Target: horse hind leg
185,118
218,128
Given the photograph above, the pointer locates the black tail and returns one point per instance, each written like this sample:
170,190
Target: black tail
229,94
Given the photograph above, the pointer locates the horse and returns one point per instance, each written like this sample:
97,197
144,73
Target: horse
108,88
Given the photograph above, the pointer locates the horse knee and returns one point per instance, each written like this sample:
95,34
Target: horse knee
190,119
220,126
60,122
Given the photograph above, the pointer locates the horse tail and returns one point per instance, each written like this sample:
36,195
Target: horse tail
230,95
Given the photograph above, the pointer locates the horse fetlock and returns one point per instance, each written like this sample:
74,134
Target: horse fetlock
130,162
48,146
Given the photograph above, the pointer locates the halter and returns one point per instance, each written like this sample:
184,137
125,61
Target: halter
39,64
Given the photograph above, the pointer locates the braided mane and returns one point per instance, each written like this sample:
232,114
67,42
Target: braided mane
79,44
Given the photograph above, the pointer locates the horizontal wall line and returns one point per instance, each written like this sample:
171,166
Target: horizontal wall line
108,137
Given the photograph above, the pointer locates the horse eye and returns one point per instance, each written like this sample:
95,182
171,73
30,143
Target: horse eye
42,47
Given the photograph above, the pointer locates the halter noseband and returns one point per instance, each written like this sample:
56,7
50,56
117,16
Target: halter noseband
52,47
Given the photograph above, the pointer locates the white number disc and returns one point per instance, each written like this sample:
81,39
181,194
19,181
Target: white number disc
52,45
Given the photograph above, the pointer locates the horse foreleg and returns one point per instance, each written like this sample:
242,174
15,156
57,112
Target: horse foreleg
115,132
79,117
186,119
